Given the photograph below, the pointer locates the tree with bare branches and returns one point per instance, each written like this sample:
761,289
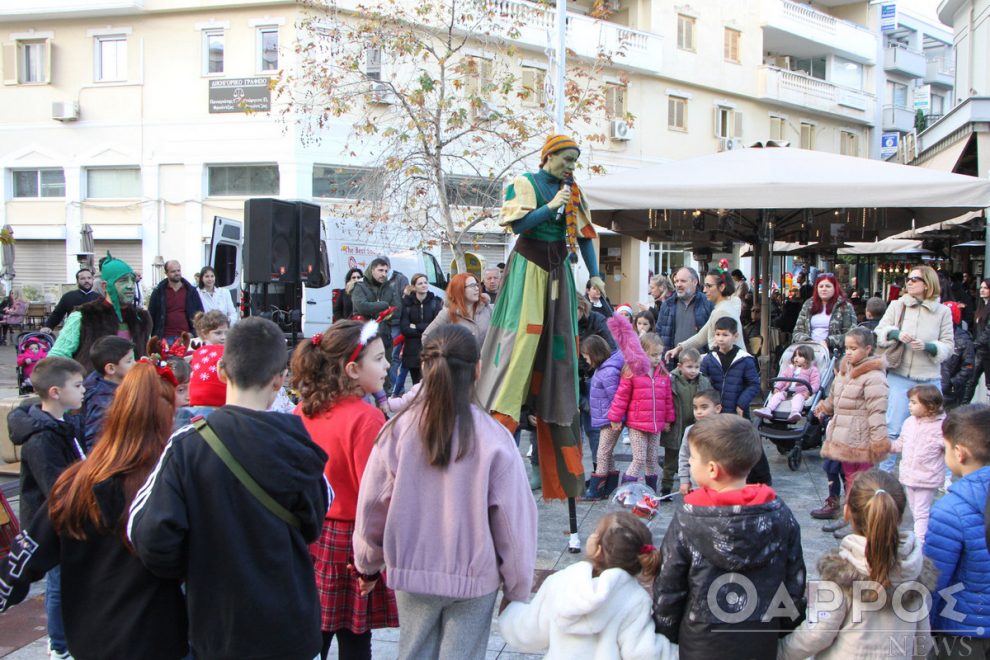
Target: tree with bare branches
439,108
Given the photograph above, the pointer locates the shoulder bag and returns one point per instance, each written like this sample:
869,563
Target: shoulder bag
895,352
259,493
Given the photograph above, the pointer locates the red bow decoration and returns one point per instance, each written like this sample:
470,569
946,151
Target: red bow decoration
177,349
164,371
647,549
317,338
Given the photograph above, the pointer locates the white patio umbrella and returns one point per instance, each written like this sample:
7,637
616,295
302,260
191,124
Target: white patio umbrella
761,194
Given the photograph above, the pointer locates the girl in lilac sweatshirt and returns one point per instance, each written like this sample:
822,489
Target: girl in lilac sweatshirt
445,506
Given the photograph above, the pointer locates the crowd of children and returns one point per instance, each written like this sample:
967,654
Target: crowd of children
253,533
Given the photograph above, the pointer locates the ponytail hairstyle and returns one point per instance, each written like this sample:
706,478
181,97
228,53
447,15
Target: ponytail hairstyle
444,402
876,504
623,541
318,366
138,424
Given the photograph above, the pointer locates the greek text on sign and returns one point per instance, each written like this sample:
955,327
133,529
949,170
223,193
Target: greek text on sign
240,95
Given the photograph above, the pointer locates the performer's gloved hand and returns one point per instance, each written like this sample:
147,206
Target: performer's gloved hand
599,284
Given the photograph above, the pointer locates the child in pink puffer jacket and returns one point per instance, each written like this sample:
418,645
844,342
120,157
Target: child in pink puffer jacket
644,399
922,469
802,366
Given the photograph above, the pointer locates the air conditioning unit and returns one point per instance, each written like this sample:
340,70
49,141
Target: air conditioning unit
782,62
728,144
381,94
613,5
620,130
65,111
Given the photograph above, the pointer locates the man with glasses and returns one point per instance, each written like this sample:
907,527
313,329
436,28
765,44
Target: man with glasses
685,312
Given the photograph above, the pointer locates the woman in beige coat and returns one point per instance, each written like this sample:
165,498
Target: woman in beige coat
924,325
464,306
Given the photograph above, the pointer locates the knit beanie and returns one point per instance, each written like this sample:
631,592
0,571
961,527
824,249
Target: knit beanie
111,270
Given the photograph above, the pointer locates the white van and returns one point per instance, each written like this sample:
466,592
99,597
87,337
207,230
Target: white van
343,246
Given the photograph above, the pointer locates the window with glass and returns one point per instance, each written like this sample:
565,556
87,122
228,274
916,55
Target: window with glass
111,58
268,48
848,143
213,51
533,82
39,183
676,113
777,125
113,182
473,191
810,66
847,73
807,135
615,100
242,180
938,105
728,123
338,182
731,47
897,94
685,32
373,63
33,61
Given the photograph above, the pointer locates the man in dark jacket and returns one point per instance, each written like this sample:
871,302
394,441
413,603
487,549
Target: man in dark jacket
958,369
251,588
685,312
173,304
372,296
81,295
728,545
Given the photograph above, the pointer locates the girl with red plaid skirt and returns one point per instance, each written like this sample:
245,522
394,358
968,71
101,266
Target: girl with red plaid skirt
332,372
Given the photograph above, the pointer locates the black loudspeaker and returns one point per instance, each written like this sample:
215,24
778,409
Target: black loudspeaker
271,241
309,241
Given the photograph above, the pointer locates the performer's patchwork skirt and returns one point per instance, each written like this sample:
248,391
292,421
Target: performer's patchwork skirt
530,358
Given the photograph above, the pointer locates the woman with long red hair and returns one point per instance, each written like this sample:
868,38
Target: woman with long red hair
464,306
112,606
827,316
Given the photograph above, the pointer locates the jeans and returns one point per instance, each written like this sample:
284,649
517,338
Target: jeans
592,434
897,409
53,608
396,363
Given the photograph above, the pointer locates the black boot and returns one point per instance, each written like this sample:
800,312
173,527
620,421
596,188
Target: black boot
611,483
651,481
596,485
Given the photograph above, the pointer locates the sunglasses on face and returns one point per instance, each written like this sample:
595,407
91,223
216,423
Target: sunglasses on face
821,275
914,279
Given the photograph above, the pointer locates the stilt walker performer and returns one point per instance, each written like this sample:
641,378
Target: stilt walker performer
530,355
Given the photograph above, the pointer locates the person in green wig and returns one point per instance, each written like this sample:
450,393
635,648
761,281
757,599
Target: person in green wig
114,314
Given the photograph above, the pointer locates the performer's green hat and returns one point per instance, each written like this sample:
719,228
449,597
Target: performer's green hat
111,270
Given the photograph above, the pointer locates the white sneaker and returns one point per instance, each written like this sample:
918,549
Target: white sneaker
58,655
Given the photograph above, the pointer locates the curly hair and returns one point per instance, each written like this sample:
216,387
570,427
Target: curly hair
206,322
318,366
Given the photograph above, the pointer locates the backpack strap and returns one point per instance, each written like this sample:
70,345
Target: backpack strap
252,486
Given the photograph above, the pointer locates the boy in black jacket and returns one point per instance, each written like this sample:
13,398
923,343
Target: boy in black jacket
50,445
251,590
728,551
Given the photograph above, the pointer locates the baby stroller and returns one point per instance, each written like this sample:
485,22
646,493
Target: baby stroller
808,432
45,341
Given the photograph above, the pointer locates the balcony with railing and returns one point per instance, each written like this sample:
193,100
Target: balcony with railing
898,58
587,37
793,27
896,118
805,92
940,71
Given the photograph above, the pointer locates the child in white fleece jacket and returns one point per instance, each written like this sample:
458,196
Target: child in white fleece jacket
595,609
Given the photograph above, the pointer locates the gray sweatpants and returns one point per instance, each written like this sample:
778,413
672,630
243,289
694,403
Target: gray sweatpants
440,627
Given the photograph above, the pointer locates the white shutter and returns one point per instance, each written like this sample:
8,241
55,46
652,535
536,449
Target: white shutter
39,263
127,251
49,52
737,124
9,55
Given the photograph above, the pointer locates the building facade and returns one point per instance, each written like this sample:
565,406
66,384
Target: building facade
145,119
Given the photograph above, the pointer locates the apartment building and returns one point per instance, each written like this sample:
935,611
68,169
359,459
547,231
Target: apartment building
129,115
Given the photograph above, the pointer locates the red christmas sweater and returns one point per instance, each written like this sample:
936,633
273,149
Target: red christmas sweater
205,388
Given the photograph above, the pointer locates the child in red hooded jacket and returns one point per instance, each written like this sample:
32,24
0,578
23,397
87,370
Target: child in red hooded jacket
644,399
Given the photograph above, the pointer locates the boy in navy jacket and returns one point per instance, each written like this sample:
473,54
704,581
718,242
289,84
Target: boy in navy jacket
733,372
